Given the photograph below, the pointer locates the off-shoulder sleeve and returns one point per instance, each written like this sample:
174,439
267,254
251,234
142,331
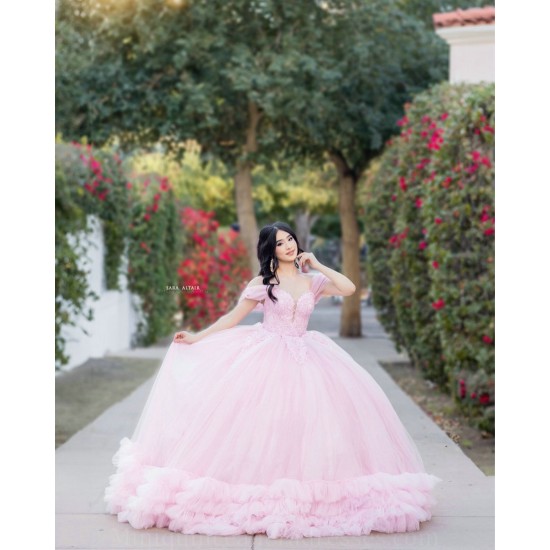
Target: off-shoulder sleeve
318,284
254,292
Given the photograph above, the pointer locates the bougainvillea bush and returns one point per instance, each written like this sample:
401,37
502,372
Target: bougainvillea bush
136,217
212,272
87,182
154,253
437,181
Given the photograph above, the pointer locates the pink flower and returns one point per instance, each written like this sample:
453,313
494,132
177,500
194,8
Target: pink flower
394,197
444,116
128,185
486,162
155,207
402,183
147,217
418,203
476,155
487,339
102,195
403,121
438,221
489,231
435,264
439,304
422,245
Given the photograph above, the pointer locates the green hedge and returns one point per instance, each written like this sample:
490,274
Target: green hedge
432,198
138,217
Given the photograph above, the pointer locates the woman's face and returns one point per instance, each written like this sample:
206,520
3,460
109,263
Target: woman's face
286,248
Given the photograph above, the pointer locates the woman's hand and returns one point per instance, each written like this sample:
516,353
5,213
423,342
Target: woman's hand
185,337
306,258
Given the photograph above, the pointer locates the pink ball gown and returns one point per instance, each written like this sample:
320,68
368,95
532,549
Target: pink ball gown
269,428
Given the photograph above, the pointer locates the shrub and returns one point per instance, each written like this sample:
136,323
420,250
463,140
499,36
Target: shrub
439,176
213,263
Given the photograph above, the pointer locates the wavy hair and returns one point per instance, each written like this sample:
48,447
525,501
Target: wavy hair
267,242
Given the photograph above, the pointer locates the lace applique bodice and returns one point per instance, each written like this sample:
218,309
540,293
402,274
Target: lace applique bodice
287,317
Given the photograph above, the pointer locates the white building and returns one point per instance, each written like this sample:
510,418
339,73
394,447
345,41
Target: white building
471,36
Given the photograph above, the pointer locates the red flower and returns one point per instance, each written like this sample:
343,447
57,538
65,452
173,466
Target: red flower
164,184
476,155
156,197
484,398
446,182
128,185
472,168
473,395
426,119
435,264
438,221
394,197
147,217
487,339
418,203
402,183
486,162
444,116
489,231
424,133
155,207
422,245
489,129
403,121
484,216
439,304
102,195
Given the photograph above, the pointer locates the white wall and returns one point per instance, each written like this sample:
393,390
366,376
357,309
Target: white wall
115,316
472,55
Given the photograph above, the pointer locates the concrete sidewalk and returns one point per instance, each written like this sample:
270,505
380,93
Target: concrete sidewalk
463,519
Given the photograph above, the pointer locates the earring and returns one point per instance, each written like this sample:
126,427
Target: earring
271,266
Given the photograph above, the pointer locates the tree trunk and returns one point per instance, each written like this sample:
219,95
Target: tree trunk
350,321
243,190
302,225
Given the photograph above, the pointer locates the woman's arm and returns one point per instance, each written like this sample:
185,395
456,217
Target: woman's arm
229,320
339,284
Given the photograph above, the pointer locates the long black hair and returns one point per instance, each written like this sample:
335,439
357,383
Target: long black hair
267,243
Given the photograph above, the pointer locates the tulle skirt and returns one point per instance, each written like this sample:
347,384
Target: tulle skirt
249,431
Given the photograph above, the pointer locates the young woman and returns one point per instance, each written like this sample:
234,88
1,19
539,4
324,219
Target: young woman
270,428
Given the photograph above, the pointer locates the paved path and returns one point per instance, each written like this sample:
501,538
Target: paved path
463,519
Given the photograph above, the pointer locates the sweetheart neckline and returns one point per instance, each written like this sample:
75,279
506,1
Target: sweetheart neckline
291,297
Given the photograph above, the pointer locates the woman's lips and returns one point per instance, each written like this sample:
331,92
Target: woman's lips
290,253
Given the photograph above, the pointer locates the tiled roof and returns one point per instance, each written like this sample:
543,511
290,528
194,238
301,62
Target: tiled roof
461,18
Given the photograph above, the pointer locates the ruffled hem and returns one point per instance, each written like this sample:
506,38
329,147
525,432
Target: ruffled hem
150,496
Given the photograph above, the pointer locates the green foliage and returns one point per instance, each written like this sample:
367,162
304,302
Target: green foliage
199,184
154,252
71,289
432,198
87,183
159,72
137,218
